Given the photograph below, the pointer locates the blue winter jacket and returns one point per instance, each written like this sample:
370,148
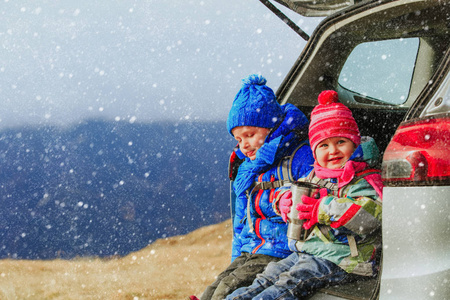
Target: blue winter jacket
265,233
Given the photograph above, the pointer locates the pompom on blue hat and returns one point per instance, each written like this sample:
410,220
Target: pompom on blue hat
254,105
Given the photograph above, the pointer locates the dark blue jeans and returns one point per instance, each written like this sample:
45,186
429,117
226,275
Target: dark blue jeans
294,277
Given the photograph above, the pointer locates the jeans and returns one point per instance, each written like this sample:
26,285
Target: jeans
241,272
294,277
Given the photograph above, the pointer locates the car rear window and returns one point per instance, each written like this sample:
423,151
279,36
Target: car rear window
381,70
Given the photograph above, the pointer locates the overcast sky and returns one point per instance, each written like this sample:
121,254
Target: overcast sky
141,61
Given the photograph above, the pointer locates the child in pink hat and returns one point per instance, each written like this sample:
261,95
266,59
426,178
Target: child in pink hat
344,216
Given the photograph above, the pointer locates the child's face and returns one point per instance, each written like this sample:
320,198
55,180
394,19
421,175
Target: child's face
250,139
334,152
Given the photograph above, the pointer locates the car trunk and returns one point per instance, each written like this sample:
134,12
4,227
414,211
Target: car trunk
320,64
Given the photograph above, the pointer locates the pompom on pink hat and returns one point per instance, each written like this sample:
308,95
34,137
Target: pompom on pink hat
332,119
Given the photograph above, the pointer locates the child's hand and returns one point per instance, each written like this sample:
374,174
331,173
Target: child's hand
309,209
285,205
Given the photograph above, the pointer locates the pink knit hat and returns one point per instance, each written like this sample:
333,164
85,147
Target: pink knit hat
331,119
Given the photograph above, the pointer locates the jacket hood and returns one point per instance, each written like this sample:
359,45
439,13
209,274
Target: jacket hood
367,152
294,122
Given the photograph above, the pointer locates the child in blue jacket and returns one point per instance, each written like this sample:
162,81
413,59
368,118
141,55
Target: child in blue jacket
266,133
344,216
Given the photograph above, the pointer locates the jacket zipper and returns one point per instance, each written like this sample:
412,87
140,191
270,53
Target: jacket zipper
262,217
257,228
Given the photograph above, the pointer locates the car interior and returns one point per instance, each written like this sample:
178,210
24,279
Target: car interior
389,57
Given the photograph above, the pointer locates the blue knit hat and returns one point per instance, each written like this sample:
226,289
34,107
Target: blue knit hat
254,105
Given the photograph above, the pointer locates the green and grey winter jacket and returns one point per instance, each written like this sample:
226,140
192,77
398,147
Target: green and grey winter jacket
348,232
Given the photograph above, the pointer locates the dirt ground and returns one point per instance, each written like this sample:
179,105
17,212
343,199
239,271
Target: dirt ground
172,268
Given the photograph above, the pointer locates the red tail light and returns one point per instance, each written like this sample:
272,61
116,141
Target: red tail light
418,154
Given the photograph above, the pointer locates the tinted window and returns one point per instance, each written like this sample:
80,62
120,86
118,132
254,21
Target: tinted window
381,70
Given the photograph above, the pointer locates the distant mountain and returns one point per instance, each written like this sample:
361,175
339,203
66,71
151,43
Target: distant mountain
109,188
